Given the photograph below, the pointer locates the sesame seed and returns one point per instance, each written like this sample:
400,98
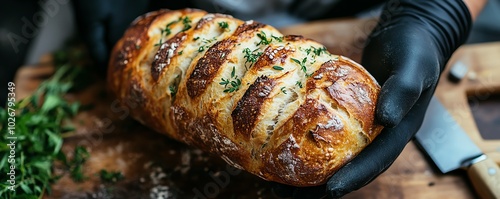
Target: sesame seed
319,76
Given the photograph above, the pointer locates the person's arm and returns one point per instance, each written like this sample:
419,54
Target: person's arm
406,53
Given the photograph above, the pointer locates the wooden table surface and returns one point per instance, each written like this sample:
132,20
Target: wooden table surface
118,143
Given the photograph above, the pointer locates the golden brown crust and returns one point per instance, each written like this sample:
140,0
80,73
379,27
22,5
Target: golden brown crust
165,53
280,107
248,107
207,67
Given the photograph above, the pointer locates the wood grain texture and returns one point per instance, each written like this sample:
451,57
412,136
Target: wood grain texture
481,82
485,177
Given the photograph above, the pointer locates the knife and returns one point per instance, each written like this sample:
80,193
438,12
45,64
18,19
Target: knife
450,148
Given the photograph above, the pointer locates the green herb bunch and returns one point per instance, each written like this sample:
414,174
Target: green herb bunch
41,121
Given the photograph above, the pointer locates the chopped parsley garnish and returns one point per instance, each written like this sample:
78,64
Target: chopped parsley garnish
314,50
166,31
80,156
277,68
196,38
279,39
207,43
318,51
299,83
229,84
137,47
187,23
180,52
174,87
171,23
283,89
263,38
172,90
224,82
159,42
223,25
209,40
233,72
235,85
251,56
110,176
308,51
302,65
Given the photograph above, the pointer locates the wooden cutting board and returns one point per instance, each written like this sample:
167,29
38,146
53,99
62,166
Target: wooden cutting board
475,101
154,164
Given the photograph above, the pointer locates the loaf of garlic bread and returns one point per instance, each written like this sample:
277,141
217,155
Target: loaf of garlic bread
278,106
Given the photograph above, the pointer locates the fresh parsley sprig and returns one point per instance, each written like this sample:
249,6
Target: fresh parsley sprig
263,38
167,31
283,89
41,122
279,39
315,51
251,56
232,84
318,51
223,25
302,65
186,22
110,176
299,83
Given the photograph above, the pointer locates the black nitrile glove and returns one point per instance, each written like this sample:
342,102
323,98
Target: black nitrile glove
406,53
101,23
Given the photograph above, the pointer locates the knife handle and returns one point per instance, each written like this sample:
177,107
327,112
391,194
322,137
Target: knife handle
485,177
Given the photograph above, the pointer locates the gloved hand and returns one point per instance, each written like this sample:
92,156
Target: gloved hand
406,53
101,23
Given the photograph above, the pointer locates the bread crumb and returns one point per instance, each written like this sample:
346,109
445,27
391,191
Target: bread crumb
160,192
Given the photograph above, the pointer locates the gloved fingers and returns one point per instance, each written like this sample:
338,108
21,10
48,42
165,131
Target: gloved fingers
380,154
97,44
405,67
398,95
403,88
91,16
102,23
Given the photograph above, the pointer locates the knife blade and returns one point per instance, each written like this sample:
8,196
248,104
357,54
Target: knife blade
446,143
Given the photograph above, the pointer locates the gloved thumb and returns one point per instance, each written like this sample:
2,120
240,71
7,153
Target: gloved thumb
398,94
403,88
